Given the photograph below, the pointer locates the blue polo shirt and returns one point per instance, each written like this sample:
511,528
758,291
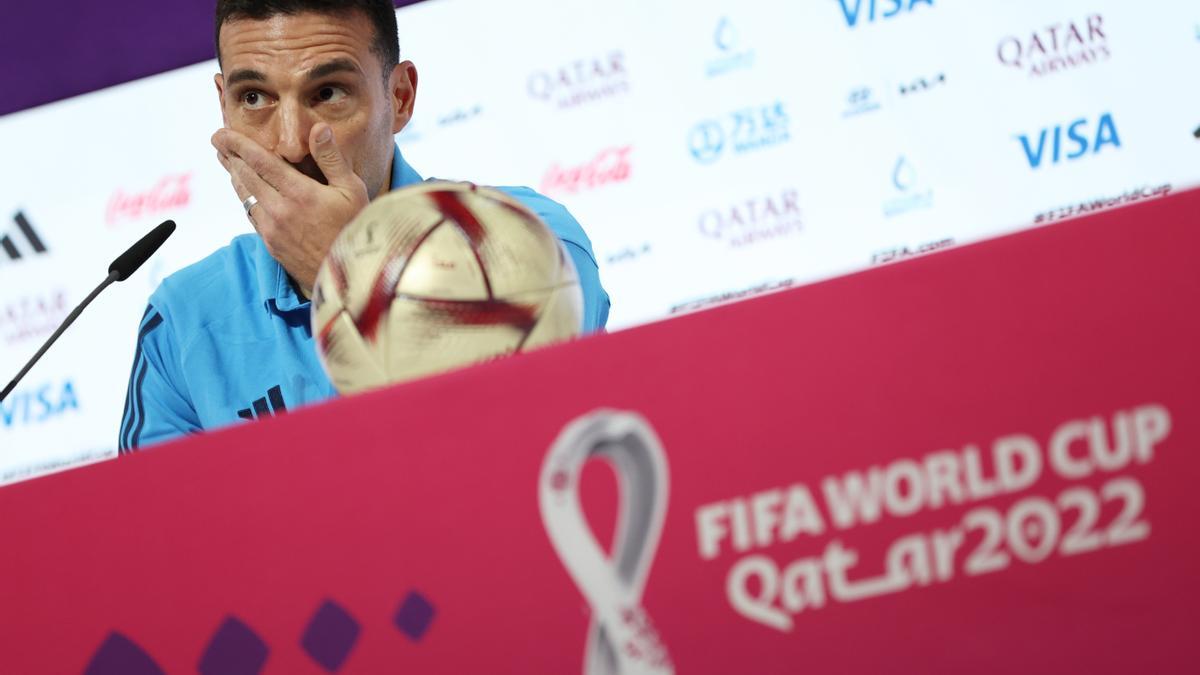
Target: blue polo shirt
229,339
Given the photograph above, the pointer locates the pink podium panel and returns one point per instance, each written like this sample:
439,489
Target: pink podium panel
983,460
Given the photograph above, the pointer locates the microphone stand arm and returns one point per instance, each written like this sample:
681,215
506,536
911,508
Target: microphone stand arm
112,276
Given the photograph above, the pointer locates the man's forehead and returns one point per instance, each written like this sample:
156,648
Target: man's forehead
296,42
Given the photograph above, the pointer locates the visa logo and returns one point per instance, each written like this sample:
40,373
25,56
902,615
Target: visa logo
24,407
1079,141
884,9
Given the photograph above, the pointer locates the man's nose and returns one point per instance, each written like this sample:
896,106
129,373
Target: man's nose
293,128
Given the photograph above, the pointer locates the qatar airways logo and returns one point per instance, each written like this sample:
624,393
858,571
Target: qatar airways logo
611,165
581,81
32,316
754,220
172,191
1057,47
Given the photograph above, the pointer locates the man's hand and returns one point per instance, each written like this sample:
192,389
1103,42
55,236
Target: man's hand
296,216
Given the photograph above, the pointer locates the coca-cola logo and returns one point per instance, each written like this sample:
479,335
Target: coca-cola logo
581,81
611,165
172,191
32,316
1057,47
754,220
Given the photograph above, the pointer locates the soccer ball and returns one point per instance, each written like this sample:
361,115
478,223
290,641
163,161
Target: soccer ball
436,276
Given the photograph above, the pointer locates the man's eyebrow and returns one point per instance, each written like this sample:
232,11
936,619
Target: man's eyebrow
334,66
244,75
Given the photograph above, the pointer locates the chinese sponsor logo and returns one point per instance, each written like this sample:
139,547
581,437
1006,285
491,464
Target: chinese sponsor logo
738,132
902,252
1103,203
1056,47
1069,142
920,84
31,242
25,407
870,11
730,54
32,317
860,101
581,81
754,220
611,165
170,192
910,193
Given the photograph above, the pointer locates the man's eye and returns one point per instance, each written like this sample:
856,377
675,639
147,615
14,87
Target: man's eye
254,100
330,94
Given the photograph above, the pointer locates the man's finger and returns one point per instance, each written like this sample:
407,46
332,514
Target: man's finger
250,181
325,151
246,183
239,188
271,168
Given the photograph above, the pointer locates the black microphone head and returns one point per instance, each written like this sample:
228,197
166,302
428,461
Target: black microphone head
128,262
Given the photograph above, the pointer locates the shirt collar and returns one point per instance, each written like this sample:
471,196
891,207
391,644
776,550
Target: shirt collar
274,286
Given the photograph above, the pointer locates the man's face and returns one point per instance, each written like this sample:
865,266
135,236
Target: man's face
282,75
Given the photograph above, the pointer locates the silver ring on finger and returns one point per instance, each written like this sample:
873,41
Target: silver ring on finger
249,203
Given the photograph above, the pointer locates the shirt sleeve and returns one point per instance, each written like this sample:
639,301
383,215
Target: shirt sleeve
156,407
595,299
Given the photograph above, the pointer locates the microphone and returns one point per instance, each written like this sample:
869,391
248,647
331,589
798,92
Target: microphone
126,264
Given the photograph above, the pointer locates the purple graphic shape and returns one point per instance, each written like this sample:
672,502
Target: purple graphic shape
330,635
235,649
414,616
120,656
66,49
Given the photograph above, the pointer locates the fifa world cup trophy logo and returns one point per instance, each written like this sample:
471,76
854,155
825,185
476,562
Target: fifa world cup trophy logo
621,640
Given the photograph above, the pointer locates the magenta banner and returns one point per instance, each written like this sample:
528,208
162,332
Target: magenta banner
981,460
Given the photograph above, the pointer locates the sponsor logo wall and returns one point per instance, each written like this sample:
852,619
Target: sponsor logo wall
24,233
712,149
1056,47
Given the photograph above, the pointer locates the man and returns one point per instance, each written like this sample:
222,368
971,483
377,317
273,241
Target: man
312,93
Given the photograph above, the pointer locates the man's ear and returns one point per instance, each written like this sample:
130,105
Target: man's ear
219,80
402,88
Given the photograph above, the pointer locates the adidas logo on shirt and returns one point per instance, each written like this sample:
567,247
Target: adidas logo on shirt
260,408
34,241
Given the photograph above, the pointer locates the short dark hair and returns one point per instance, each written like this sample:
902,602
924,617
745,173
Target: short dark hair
382,14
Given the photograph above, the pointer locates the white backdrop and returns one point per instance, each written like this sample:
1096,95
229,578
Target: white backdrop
711,148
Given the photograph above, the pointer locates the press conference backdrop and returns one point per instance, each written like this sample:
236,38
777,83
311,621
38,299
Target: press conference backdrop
713,149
